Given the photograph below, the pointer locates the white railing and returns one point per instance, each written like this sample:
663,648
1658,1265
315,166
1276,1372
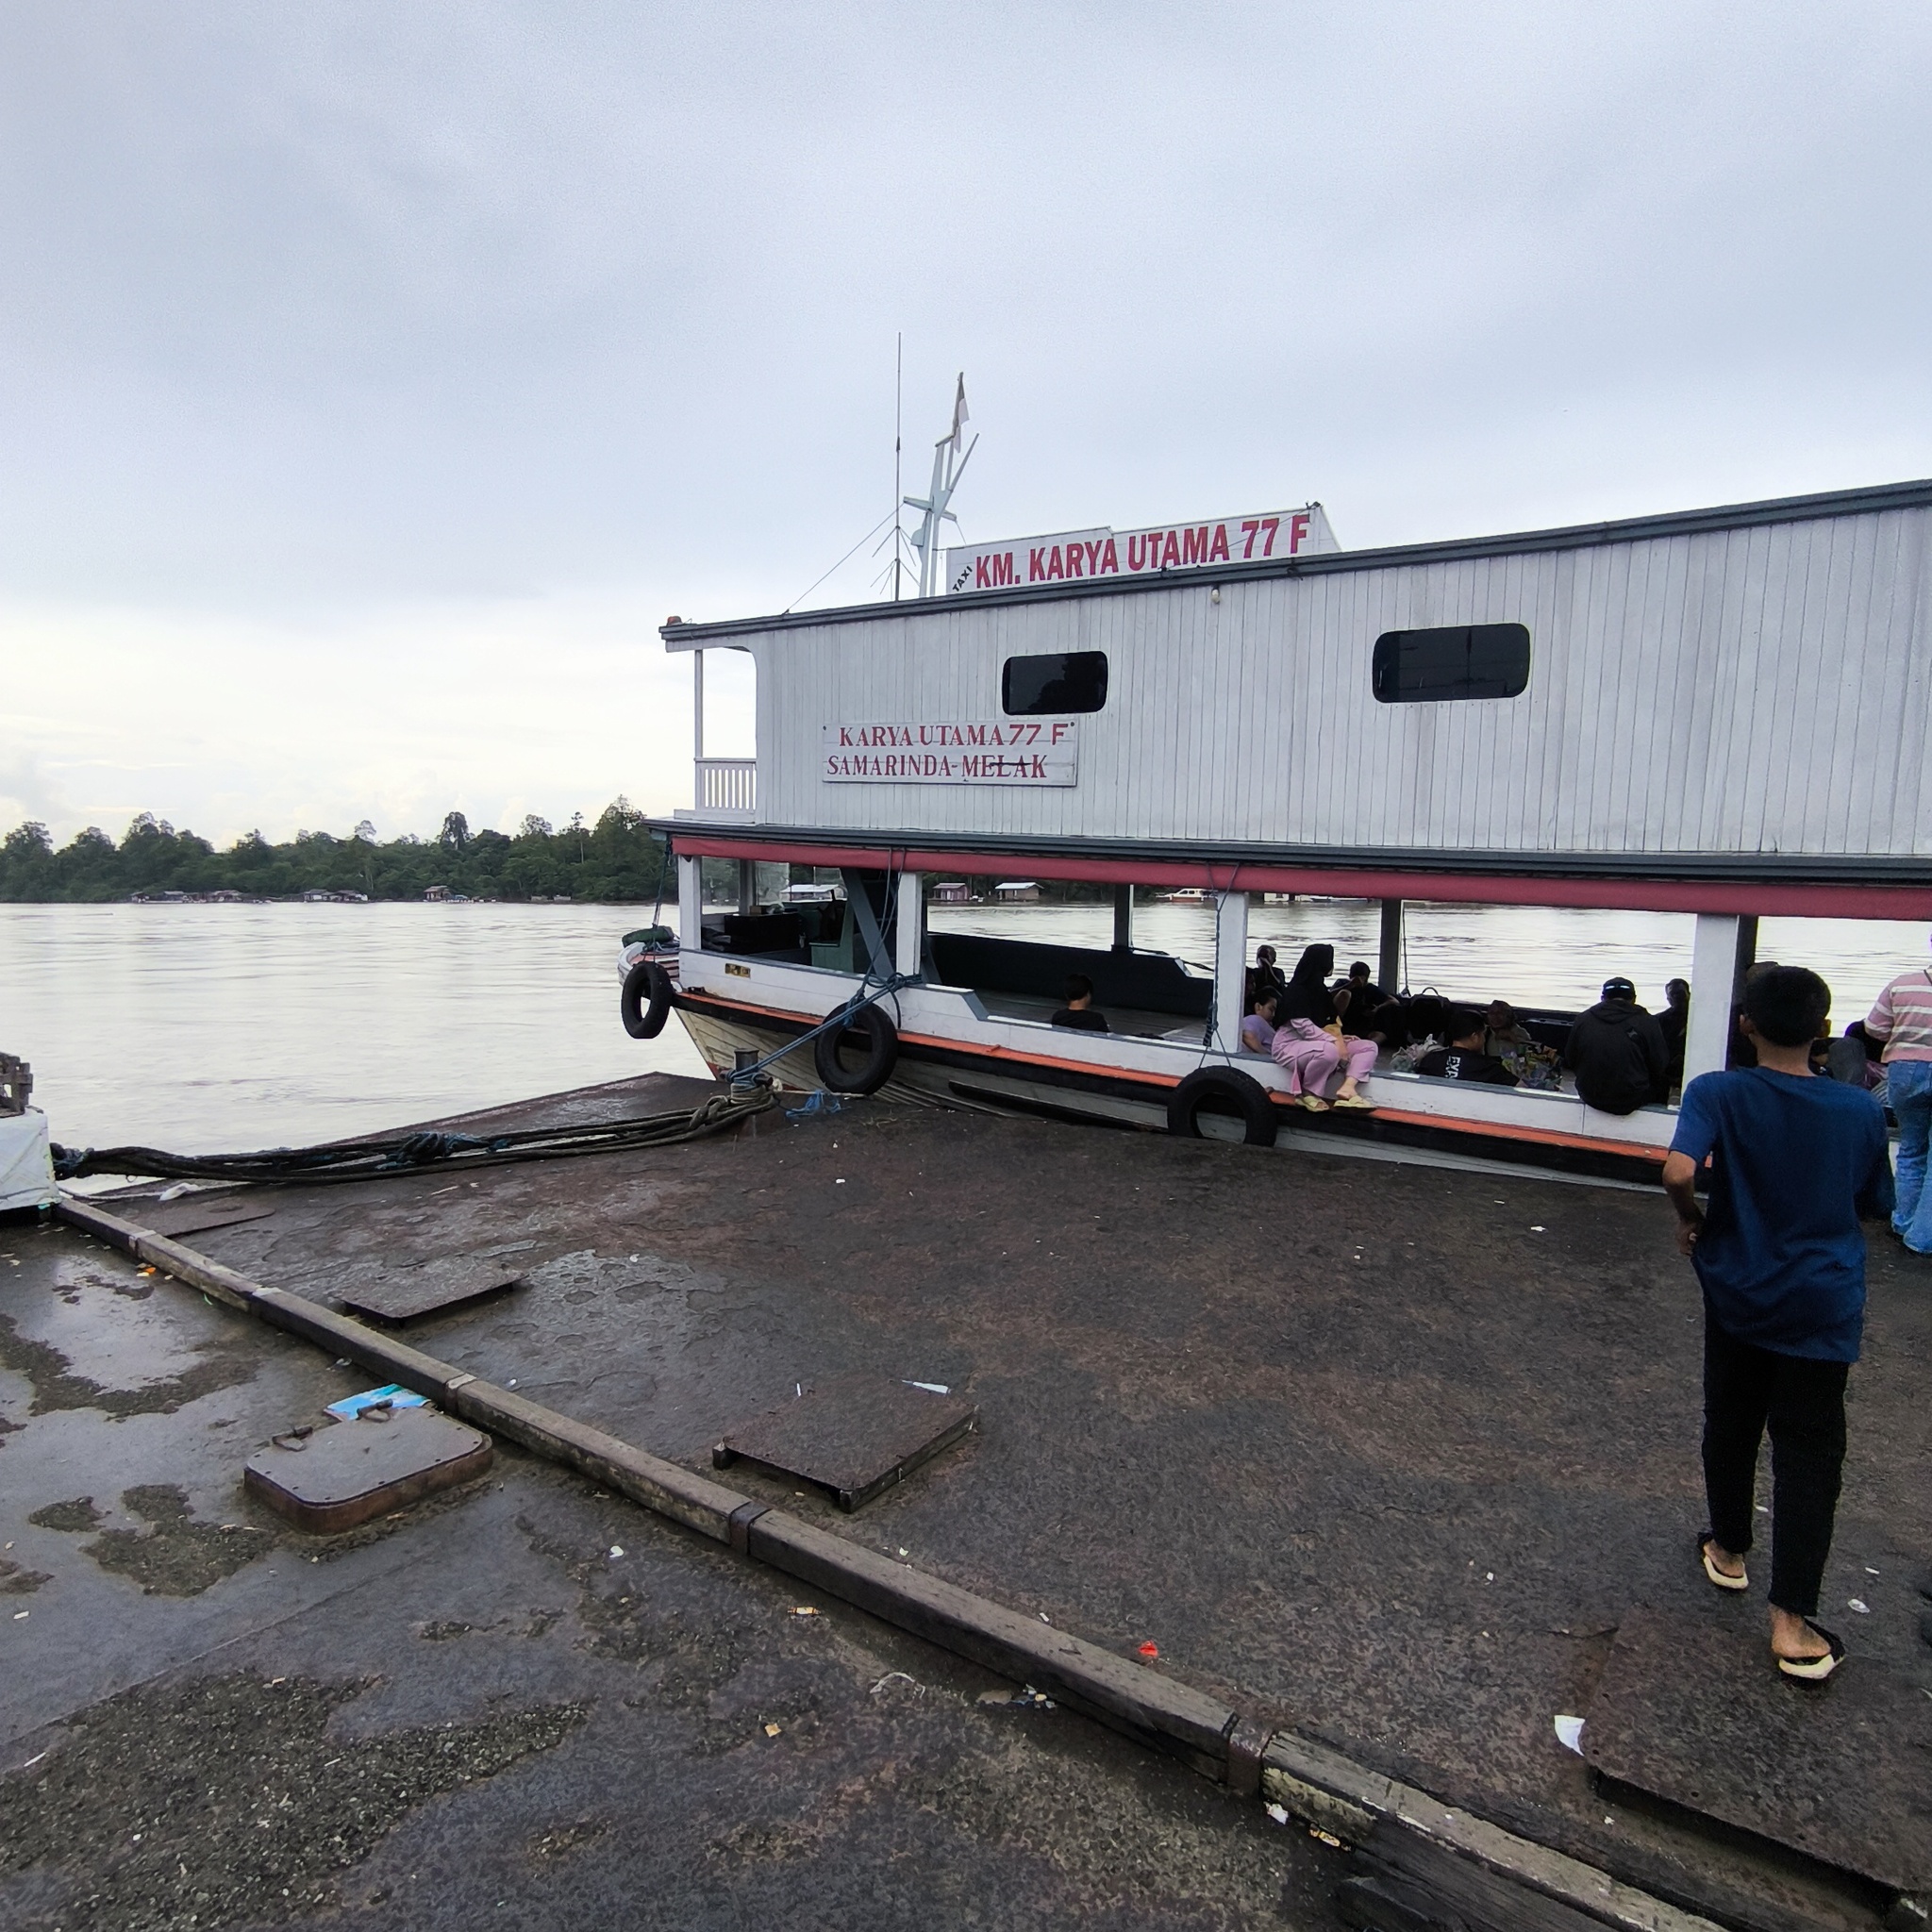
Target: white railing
727,784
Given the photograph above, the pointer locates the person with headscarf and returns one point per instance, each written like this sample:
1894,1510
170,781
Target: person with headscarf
1309,1042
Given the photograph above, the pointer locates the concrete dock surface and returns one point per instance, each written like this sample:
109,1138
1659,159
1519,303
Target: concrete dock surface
1383,1454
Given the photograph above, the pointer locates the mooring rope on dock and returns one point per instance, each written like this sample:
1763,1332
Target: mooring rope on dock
361,1161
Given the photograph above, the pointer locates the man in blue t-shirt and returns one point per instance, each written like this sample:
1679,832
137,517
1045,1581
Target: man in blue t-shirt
1796,1162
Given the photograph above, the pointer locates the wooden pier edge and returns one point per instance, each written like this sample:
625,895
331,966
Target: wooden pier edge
1311,1781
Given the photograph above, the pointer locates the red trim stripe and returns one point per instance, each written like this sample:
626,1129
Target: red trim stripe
1822,900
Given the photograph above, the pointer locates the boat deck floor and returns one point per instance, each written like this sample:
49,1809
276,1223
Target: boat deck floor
1387,1453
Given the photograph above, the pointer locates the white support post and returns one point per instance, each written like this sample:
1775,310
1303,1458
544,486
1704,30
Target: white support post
690,905
697,730
908,945
1230,969
1713,963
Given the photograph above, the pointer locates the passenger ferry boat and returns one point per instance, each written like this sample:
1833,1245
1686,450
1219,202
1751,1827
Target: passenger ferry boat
1722,713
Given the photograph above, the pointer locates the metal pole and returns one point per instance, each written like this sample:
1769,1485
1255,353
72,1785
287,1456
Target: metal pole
1123,918
698,726
1721,940
1230,970
898,443
1391,965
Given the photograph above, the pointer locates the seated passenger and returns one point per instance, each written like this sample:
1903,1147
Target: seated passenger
1079,1011
1617,1052
1263,976
1258,1029
1309,1042
1674,1024
1368,1010
1466,1056
1503,1030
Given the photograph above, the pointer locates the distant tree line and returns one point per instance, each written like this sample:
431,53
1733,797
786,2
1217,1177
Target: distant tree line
615,859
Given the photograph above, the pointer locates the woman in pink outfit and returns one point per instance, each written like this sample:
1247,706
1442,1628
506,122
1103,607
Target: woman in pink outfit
1309,1042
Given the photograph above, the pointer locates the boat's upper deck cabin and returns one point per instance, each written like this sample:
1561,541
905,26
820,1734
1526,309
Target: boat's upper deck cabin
1740,695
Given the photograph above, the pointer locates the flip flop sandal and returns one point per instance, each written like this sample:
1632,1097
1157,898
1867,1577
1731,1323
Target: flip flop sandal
1741,1581
1355,1100
1814,1669
1314,1103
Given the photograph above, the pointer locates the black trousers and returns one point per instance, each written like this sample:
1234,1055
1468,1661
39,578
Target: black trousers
1747,1390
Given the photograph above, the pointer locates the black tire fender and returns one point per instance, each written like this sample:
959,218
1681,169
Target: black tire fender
881,1057
645,1001
1229,1087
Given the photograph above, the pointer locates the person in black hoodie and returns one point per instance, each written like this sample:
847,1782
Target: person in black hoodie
1617,1052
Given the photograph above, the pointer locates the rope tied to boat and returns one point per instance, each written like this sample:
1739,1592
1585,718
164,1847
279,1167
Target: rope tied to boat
357,1160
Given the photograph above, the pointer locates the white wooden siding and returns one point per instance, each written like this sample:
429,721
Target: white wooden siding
1762,688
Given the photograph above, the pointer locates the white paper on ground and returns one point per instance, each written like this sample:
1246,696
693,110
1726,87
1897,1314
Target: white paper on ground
1570,1734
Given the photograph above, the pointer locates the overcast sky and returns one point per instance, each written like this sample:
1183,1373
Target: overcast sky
375,379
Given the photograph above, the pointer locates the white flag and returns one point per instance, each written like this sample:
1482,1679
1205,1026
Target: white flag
961,413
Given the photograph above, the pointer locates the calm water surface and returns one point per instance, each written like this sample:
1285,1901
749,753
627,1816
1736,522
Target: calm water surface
225,1027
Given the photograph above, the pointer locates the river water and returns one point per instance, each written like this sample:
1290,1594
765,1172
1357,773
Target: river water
208,1029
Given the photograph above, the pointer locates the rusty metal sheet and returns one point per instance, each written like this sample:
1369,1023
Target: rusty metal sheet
193,1213
333,1478
1693,1711
402,1294
853,1435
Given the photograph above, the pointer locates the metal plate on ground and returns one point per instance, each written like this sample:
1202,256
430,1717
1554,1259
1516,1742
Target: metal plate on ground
195,1214
1696,1713
853,1435
400,1295
336,1478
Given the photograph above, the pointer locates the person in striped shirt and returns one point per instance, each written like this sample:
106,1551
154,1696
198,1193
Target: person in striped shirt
1901,1022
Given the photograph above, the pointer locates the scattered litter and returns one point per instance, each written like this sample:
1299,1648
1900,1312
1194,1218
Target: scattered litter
144,1270
942,1389
1869,1570
1537,1227
32,1761
1859,1604
617,1549
1762,1508
840,1182
1043,1617
175,1192
391,1396
1488,1577
900,1677
513,1383
1570,1734
1150,1650
771,1730
804,1610
798,1392
907,1552
1328,1838
343,1361
1280,1813
20,1616
274,1681
816,1103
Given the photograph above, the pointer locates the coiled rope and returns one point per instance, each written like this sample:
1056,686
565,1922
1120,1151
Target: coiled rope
361,1160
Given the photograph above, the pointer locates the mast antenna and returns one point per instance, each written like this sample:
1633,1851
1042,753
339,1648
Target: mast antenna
948,465
898,443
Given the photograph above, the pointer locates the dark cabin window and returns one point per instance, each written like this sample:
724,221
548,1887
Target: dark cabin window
1464,661
1038,686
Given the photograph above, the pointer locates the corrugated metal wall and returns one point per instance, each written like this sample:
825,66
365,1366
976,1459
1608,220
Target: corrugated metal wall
1757,690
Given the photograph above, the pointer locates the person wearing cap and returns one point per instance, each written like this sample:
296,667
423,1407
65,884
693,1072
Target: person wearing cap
1901,1024
1617,1052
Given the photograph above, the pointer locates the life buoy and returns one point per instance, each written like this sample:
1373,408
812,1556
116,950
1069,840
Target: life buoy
881,1052
645,1001
1222,1090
